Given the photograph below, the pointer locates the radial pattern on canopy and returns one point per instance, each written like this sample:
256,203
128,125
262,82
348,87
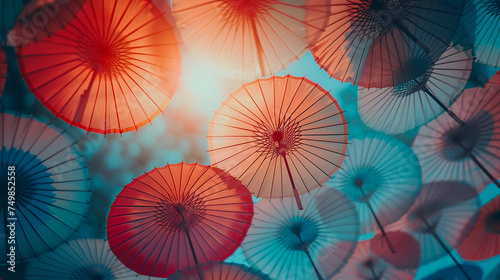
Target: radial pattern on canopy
112,69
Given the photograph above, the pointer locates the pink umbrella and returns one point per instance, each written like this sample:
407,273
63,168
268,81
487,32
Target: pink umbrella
442,216
282,137
470,153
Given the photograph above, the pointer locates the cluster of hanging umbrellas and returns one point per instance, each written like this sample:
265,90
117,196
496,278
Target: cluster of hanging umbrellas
330,205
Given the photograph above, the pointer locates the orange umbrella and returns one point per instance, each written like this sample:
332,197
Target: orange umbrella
178,216
363,40
112,69
243,38
282,136
3,70
42,18
484,240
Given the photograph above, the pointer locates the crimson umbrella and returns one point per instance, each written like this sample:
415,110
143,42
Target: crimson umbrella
287,243
242,38
364,40
452,272
41,18
46,187
366,265
112,69
3,70
470,153
80,259
178,216
382,177
282,136
484,240
419,100
219,271
442,216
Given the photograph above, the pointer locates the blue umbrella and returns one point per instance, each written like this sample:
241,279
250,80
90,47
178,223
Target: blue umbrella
287,243
9,9
382,177
80,259
453,273
48,186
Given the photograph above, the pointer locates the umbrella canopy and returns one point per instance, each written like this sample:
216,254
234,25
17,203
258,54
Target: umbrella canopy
441,217
41,18
245,39
405,257
484,240
366,265
112,69
484,18
410,104
494,274
452,272
282,136
219,271
286,243
470,153
85,259
48,187
364,39
8,14
381,176
3,69
177,216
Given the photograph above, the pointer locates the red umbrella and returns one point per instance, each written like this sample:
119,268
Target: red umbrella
3,70
243,38
219,271
42,18
112,69
442,216
470,153
178,216
484,240
366,265
280,126
364,39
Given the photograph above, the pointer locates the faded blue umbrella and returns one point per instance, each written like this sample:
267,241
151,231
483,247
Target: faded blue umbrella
48,186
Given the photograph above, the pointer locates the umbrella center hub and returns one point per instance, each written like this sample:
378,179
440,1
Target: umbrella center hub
428,214
29,175
492,222
299,234
275,142
412,77
492,7
101,57
460,142
383,13
358,182
180,216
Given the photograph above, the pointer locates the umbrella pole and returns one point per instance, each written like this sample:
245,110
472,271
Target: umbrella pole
295,192
260,50
450,113
384,235
405,30
446,249
310,259
483,168
182,211
375,277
